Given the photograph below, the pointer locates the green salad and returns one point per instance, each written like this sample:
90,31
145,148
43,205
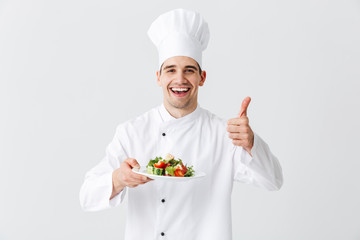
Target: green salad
169,167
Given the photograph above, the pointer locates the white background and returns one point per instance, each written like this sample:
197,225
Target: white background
71,70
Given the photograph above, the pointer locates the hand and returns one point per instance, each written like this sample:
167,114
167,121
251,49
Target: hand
124,176
239,129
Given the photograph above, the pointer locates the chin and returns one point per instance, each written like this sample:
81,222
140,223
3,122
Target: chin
180,105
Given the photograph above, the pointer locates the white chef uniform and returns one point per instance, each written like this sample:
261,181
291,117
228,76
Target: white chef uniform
195,209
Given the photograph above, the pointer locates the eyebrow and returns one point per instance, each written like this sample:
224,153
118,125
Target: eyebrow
188,66
169,66
191,66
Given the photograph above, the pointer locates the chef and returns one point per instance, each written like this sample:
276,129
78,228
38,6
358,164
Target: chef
226,151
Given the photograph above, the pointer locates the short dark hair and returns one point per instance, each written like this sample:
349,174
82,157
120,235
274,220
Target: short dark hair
196,63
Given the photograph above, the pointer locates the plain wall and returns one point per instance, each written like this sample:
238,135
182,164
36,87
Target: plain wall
71,71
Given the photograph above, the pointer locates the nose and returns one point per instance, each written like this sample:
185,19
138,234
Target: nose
180,77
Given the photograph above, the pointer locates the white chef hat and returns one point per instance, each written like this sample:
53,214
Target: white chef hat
179,32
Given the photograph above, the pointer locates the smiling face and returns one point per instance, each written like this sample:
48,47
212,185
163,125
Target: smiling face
180,79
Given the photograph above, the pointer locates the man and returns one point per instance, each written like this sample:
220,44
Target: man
195,209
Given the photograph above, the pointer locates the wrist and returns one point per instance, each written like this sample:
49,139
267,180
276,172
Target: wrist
117,185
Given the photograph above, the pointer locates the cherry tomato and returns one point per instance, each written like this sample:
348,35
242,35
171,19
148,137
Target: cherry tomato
179,173
159,164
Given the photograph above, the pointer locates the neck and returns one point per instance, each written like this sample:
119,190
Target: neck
179,112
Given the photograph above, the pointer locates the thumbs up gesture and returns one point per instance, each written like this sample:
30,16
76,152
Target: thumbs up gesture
239,129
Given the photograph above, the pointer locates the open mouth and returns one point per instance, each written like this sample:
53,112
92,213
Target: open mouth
179,91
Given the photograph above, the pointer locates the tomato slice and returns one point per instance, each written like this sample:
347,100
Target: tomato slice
159,164
179,173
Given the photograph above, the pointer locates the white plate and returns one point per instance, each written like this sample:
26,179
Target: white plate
142,171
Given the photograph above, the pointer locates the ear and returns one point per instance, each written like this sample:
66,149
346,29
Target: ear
158,78
203,78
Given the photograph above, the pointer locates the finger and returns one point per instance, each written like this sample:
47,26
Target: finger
233,128
240,142
132,185
244,129
136,177
234,121
239,121
234,135
128,175
138,182
130,181
239,136
133,163
244,105
237,142
147,180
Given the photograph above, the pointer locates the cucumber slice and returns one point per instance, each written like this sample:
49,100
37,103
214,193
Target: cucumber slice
150,170
158,171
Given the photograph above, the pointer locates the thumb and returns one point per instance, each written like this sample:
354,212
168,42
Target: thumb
133,163
244,105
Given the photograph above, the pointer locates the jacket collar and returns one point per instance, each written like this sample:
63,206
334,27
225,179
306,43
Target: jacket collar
169,120
165,115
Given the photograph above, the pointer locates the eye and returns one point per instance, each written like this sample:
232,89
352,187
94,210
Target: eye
189,70
171,70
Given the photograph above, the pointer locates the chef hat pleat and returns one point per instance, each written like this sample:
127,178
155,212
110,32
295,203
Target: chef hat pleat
180,32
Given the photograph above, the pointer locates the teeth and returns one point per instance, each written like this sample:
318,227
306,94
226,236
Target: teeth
180,89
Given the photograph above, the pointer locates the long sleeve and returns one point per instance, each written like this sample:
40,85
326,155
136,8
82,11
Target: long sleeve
97,187
263,169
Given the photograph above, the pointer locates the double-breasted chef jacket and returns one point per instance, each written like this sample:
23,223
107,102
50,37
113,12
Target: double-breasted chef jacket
194,209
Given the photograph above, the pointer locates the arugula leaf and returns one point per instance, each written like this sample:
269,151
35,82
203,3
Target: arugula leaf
152,162
190,172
